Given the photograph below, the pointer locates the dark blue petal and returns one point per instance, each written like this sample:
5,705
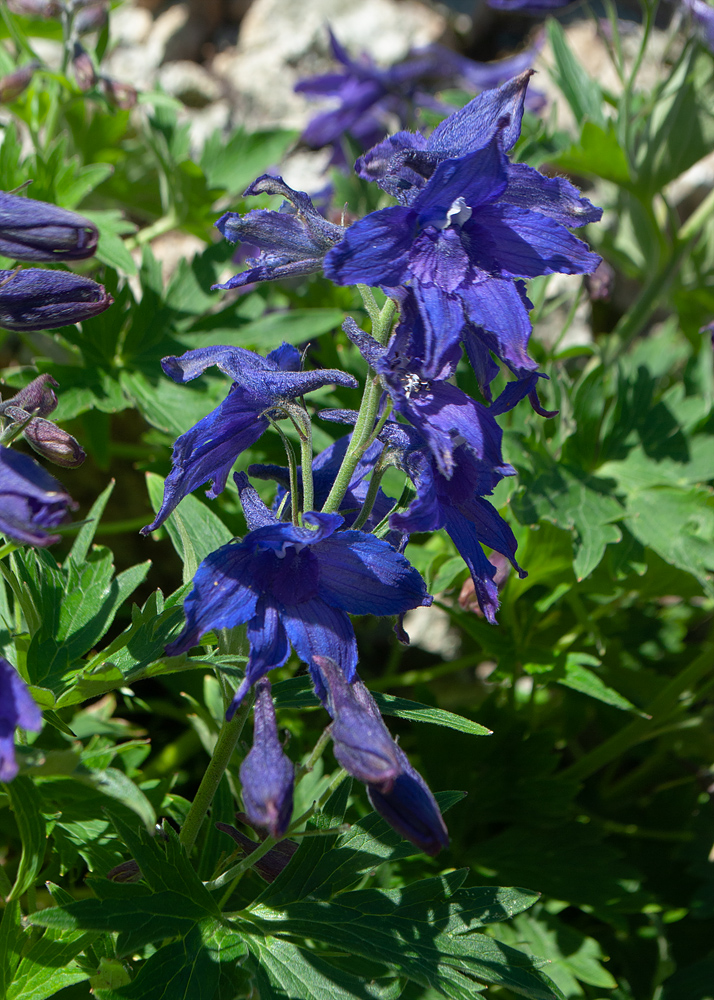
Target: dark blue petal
17,708
36,299
477,178
411,809
316,629
496,305
209,449
493,113
375,250
552,196
256,513
222,595
31,500
364,575
37,231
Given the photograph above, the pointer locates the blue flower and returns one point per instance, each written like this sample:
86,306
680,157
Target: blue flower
369,96
292,241
37,231
32,502
364,748
16,709
267,774
260,386
702,14
296,585
460,245
35,299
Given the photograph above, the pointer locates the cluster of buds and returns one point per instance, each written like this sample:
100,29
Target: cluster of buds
26,413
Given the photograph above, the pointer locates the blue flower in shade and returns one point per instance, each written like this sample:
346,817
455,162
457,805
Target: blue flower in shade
365,749
260,386
368,96
324,469
702,14
460,245
16,709
296,585
32,502
292,241
267,774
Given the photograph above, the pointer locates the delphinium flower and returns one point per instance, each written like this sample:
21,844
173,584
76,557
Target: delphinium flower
17,708
267,774
292,241
33,299
32,502
365,749
37,231
296,585
261,386
370,98
470,225
702,14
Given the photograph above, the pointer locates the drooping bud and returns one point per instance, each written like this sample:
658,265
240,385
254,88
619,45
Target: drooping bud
32,502
267,774
121,95
38,397
83,68
54,444
364,747
37,231
12,85
92,18
16,709
33,299
272,863
362,743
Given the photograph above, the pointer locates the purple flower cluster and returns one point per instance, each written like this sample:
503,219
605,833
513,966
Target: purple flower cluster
468,227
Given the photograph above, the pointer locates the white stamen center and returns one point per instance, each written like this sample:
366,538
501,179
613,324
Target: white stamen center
459,213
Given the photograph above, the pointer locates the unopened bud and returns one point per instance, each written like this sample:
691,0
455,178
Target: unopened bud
12,85
38,398
272,863
33,299
121,95
35,8
92,18
267,774
83,68
37,231
54,444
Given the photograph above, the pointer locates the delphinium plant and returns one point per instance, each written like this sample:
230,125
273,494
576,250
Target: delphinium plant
380,433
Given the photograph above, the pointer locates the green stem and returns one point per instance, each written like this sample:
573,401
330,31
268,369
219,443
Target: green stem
24,601
308,495
372,492
292,467
317,752
222,753
163,225
641,730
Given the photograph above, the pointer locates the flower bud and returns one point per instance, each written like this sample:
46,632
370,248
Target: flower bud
37,398
121,95
272,863
92,18
31,500
16,709
35,8
267,774
33,299
54,444
361,742
37,231
83,68
410,808
12,85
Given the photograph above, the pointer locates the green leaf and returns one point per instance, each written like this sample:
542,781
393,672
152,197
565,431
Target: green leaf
582,93
49,966
85,535
688,540
195,530
297,692
579,678
302,974
12,937
26,803
235,163
598,152
265,334
436,919
117,785
111,249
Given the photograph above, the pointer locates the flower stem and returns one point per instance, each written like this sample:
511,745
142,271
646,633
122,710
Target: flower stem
364,426
222,753
308,495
